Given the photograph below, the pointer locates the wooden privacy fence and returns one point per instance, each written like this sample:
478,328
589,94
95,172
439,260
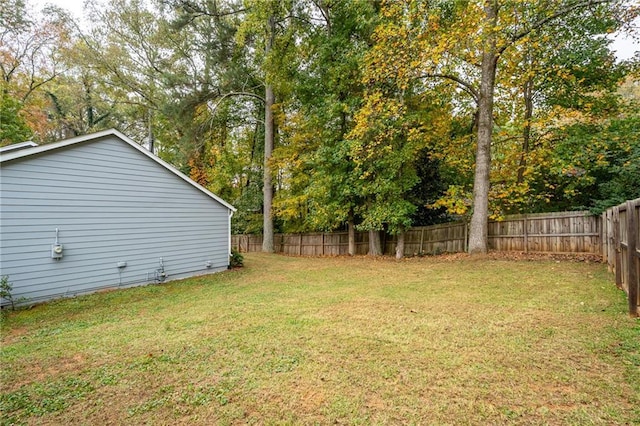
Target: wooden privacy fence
308,244
565,232
621,249
561,232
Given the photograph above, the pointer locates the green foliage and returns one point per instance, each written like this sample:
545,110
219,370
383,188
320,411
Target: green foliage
318,182
6,289
595,165
384,165
13,126
248,218
32,46
562,65
396,131
236,260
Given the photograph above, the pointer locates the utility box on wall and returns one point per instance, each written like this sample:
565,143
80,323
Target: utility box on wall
56,248
56,251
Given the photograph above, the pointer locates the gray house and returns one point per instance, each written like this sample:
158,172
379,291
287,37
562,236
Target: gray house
100,211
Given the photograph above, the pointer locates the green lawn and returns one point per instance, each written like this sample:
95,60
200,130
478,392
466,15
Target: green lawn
286,340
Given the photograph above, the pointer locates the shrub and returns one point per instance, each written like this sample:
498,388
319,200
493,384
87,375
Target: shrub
236,260
5,290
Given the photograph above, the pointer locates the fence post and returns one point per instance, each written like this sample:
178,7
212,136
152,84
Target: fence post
421,241
603,243
632,269
526,234
465,243
383,241
617,264
323,243
611,247
300,246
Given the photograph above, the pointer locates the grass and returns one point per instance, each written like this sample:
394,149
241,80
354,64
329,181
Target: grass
447,340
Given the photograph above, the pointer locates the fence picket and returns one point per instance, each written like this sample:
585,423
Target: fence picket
632,258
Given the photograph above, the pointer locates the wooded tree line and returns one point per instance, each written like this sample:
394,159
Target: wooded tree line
314,115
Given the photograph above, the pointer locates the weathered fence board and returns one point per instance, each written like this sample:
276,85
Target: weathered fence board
564,232
621,249
246,243
443,238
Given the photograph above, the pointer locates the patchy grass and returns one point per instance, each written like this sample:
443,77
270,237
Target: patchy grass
333,340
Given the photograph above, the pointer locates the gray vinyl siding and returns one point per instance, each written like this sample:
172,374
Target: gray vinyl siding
111,204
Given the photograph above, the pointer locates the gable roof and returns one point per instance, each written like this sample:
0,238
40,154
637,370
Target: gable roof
9,155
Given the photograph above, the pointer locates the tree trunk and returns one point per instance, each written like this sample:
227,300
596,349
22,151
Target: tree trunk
267,242
478,241
400,246
526,132
267,232
375,247
89,104
352,234
151,137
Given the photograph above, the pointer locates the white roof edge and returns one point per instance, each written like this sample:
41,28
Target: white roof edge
17,146
12,155
25,152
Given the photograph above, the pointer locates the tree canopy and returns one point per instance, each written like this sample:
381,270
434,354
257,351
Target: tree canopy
314,115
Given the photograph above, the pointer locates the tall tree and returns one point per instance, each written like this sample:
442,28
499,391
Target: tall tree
269,137
31,46
132,53
219,97
464,42
318,184
400,119
30,49
506,25
568,71
272,26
